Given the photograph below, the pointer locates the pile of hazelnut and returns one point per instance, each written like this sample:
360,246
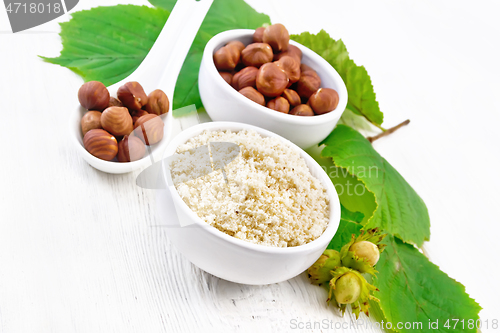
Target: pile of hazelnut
121,127
269,72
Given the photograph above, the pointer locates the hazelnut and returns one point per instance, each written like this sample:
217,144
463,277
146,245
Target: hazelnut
271,80
253,94
302,110
93,95
117,121
258,34
292,97
257,54
347,288
245,78
309,81
292,51
136,114
132,95
101,144
149,129
291,67
277,36
114,102
324,100
237,44
228,77
226,58
130,149
91,120
279,104
157,102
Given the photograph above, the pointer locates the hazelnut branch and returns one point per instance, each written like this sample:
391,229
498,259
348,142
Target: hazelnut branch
388,131
378,126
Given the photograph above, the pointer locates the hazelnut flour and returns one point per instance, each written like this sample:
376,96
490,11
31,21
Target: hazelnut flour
270,197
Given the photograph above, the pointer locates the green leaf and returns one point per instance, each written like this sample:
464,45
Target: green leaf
223,15
358,122
351,191
350,223
108,43
414,290
165,4
377,314
399,211
362,99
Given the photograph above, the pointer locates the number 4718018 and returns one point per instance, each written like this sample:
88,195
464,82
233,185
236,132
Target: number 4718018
33,8
471,324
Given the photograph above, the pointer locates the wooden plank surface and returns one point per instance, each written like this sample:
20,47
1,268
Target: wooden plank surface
83,251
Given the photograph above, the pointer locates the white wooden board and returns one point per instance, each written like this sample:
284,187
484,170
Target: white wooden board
81,251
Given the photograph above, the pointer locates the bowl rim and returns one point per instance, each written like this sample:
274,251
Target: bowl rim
117,167
321,241
226,36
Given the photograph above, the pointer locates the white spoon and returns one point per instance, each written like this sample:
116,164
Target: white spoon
159,70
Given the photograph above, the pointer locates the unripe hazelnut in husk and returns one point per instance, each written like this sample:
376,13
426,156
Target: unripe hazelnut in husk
93,95
366,250
227,57
292,97
228,77
291,67
157,102
277,36
302,110
347,289
254,95
257,54
132,95
130,149
320,271
245,78
292,51
308,83
279,104
91,120
149,129
258,35
271,80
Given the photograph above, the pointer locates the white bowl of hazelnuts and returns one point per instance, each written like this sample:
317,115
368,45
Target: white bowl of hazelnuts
261,77
119,134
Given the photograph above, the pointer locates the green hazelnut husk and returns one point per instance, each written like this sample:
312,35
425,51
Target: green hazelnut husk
349,287
320,271
363,252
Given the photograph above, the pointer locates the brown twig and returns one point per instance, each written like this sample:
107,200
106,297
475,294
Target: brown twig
388,131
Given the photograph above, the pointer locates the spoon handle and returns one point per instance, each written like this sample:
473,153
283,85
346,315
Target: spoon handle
161,67
185,32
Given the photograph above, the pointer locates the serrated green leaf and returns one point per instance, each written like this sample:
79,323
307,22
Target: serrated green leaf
350,223
400,211
377,314
108,43
414,290
362,99
356,121
223,15
351,191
